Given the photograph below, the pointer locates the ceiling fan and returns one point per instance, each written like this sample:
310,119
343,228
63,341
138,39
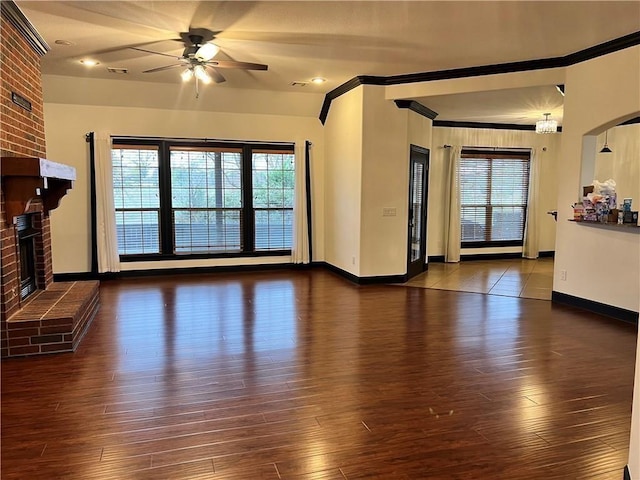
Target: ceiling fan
198,59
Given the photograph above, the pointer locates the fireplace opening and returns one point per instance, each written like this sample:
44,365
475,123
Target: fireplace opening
26,241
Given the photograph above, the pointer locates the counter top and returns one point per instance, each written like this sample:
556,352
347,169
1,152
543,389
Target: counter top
625,227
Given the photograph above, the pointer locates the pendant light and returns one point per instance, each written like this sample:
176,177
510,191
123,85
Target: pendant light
605,148
546,125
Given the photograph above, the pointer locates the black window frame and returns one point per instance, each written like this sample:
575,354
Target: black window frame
501,154
166,211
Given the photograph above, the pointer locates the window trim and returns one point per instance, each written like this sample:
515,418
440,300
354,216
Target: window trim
498,154
166,230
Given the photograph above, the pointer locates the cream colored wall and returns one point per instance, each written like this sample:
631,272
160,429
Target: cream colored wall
600,94
367,170
476,137
385,183
65,128
343,174
419,132
623,163
178,96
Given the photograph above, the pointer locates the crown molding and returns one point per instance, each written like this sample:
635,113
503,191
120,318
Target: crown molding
13,14
605,48
416,107
632,121
493,126
344,88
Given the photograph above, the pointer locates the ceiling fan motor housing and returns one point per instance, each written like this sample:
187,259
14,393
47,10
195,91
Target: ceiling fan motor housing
196,42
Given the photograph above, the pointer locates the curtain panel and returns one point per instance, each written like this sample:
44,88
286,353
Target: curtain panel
107,236
300,246
452,208
530,246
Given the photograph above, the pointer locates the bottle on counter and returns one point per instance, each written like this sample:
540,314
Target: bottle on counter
621,214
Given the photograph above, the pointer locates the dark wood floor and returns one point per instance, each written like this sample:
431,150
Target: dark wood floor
302,375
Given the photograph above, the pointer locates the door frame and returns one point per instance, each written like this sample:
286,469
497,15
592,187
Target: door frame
418,266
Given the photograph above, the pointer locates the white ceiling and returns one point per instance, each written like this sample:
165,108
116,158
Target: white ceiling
337,40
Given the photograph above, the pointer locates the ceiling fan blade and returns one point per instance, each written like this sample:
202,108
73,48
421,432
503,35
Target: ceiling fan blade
215,75
155,53
166,67
234,64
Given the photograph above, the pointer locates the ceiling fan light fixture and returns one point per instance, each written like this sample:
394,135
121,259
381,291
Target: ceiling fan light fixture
187,75
546,125
201,74
207,51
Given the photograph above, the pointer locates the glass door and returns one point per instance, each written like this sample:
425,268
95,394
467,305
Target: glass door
418,184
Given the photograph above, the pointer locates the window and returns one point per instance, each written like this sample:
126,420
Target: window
176,198
206,199
493,197
273,180
136,199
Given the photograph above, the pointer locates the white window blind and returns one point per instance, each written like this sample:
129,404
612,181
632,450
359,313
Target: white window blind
136,199
206,199
493,197
273,177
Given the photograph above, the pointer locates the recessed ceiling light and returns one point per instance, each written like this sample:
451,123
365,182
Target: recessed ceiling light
89,62
63,42
318,80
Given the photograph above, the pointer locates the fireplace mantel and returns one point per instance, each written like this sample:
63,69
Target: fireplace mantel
26,178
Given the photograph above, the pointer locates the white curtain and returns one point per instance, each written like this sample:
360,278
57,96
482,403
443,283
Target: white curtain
108,258
530,246
452,208
300,247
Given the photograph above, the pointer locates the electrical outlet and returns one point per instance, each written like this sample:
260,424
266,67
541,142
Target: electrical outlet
563,275
353,260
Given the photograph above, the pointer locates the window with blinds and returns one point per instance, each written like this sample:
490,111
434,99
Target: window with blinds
206,199
183,198
136,196
273,178
494,188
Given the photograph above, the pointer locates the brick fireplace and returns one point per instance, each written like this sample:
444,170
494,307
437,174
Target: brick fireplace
42,316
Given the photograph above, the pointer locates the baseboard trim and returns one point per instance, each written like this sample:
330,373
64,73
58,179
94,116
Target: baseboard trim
627,473
364,280
618,313
81,276
77,277
491,256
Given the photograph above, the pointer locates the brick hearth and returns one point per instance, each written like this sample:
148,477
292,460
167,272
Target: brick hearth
53,320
